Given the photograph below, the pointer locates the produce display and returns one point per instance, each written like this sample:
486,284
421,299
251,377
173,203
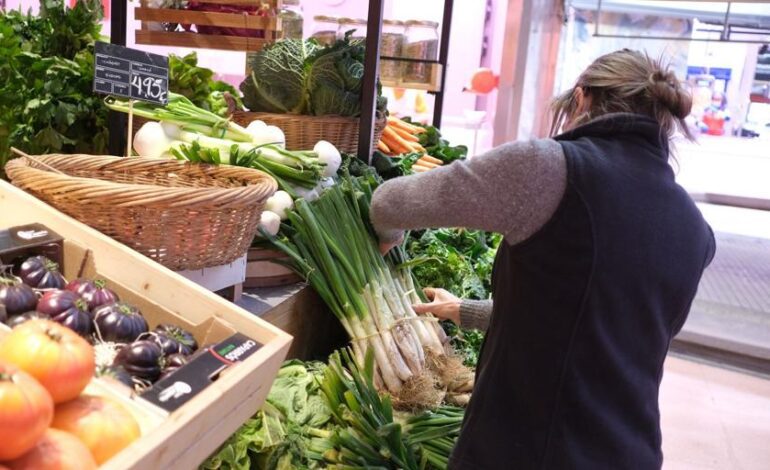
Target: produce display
195,83
331,245
88,308
292,76
46,80
42,364
187,132
332,416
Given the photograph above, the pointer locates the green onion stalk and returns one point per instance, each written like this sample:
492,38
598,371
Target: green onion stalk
199,136
330,244
370,434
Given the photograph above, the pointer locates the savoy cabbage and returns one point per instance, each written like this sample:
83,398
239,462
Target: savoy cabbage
302,77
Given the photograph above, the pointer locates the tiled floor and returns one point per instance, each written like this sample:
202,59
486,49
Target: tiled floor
714,419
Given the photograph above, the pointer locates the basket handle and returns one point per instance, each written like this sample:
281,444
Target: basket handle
30,157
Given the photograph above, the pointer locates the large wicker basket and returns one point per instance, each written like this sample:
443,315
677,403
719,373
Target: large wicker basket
302,132
182,215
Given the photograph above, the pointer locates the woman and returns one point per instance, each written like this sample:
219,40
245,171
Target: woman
602,256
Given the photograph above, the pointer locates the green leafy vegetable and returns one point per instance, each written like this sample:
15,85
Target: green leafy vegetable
196,83
293,76
276,83
46,74
438,147
457,260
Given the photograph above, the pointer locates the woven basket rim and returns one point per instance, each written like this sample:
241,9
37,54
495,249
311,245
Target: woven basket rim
167,195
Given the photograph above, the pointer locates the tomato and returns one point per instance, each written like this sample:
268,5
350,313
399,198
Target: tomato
56,450
103,425
26,410
56,356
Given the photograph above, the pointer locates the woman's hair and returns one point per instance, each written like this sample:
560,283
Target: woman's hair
626,81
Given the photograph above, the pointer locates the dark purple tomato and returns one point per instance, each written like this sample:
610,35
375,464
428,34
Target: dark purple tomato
172,363
16,296
42,273
67,308
119,322
93,292
141,359
17,320
174,339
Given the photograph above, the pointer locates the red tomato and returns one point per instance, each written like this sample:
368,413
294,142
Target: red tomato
56,356
26,410
56,450
103,425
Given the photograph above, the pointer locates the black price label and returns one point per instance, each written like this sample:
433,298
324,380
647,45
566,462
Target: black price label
130,73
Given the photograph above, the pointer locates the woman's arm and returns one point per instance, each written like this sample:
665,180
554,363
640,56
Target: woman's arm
475,314
513,189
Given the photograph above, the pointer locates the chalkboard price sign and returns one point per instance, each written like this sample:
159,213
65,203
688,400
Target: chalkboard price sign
130,73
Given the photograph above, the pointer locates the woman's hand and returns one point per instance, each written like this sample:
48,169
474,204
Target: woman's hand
442,304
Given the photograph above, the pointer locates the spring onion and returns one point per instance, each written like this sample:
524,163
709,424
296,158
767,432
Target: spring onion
330,244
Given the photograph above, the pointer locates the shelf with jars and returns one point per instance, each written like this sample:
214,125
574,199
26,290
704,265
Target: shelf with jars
239,25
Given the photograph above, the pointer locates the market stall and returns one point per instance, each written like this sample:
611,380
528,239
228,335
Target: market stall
268,178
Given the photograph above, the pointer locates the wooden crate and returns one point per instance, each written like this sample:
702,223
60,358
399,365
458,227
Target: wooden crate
262,270
185,437
151,32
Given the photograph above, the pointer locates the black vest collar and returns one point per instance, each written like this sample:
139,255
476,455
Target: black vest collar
621,125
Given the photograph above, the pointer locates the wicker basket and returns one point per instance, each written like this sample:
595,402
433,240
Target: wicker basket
182,215
302,132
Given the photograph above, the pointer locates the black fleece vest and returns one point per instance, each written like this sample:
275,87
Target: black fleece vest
585,310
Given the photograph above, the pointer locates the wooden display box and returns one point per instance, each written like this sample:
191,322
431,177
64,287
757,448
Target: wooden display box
152,32
187,436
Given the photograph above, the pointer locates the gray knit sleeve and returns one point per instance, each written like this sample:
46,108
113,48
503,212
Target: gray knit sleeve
475,314
513,189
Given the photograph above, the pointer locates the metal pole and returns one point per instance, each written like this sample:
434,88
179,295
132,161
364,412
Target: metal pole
443,57
116,120
369,86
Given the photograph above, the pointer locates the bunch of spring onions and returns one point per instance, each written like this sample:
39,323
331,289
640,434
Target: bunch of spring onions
187,132
332,246
370,434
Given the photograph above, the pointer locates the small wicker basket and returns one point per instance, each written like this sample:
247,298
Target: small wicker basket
302,132
182,215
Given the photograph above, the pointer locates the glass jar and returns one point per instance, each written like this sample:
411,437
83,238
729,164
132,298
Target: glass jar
392,45
291,19
421,44
325,29
346,24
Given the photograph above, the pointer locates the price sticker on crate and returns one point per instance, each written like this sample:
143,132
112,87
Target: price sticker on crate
130,73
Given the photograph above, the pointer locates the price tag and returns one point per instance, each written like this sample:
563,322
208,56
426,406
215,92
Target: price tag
130,73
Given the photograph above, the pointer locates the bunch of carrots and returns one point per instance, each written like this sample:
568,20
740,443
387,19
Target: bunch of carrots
401,137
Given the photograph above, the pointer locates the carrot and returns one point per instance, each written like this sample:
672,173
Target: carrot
394,145
419,148
430,159
381,146
426,163
420,169
391,135
412,129
405,135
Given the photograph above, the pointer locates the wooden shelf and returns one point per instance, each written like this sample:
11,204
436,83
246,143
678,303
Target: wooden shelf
207,18
433,86
184,39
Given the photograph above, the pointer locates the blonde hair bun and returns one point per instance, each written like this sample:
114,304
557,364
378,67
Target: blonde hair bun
665,87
